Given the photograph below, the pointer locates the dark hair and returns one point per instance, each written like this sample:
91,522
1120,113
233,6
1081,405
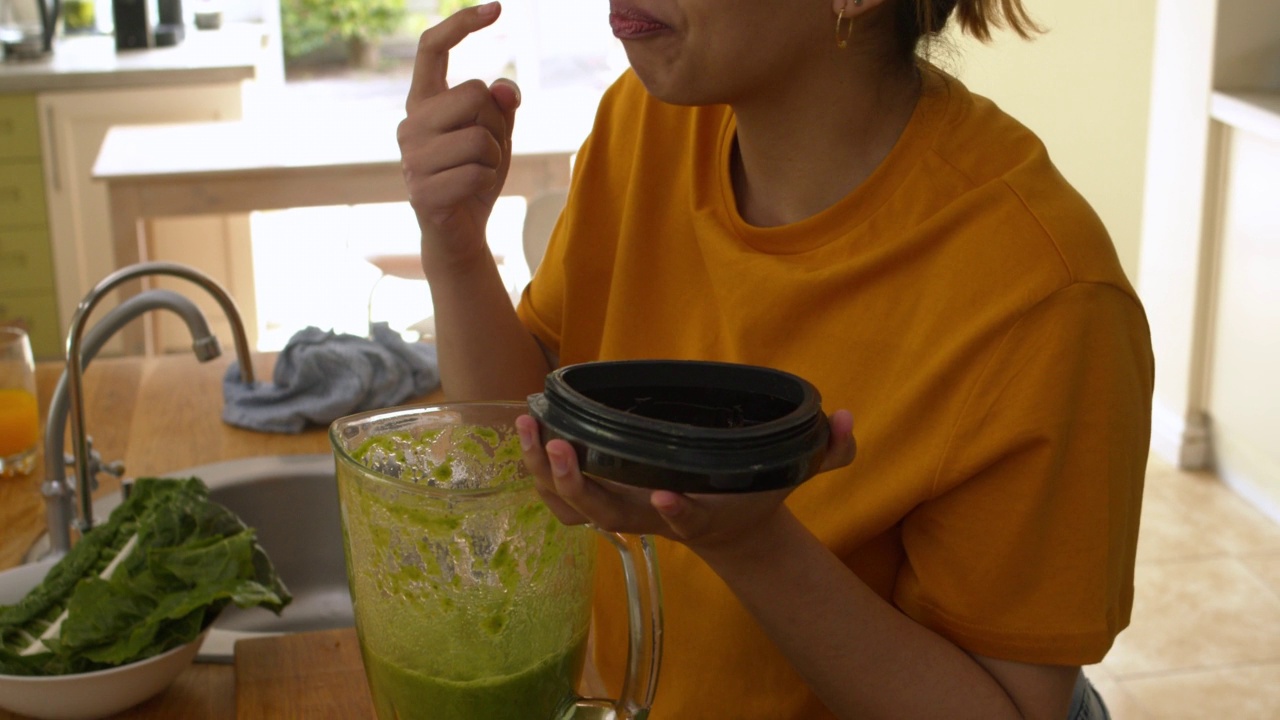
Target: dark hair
923,19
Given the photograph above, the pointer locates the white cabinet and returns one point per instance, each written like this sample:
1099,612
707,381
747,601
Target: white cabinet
1211,240
72,126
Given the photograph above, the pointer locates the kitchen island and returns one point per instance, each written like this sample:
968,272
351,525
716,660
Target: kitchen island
159,415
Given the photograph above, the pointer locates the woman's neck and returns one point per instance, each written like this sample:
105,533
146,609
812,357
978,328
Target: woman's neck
809,146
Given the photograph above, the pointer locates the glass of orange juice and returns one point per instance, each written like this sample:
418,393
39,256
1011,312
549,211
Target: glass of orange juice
19,415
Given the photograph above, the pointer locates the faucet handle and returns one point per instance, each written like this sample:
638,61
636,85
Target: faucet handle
96,465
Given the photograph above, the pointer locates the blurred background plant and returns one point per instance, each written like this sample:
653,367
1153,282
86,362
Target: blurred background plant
358,26
423,14
449,7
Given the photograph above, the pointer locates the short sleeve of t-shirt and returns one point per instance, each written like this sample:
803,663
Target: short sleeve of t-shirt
1026,549
541,304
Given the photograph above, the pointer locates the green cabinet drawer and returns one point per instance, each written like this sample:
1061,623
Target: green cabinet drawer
38,313
19,127
26,261
22,194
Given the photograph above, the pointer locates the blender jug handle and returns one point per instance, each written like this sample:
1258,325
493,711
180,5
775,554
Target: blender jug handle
644,603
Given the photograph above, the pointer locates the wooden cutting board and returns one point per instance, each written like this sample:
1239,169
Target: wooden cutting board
314,675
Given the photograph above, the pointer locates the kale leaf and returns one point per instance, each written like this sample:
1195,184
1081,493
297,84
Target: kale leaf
150,579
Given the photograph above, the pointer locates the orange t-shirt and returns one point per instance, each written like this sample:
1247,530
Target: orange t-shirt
967,306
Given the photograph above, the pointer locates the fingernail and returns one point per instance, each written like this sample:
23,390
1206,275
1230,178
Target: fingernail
514,88
558,464
488,9
526,438
667,505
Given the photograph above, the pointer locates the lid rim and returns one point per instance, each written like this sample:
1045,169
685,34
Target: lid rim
581,407
756,455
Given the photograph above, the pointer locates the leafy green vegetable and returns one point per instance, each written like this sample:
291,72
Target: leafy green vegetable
151,578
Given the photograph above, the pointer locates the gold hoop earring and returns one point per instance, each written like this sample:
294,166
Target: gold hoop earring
842,38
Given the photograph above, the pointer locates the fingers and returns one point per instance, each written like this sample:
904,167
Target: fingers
441,170
457,146
680,512
574,499
455,143
704,522
841,446
431,65
506,95
535,459
613,511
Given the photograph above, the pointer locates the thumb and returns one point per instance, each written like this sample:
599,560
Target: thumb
507,95
681,514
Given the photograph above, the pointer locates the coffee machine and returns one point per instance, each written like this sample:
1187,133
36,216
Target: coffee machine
170,30
135,26
147,23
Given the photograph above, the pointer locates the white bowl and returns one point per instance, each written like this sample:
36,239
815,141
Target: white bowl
83,695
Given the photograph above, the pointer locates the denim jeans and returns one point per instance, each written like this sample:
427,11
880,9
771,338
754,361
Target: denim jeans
1086,703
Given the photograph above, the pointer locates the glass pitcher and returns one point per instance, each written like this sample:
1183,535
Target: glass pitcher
472,601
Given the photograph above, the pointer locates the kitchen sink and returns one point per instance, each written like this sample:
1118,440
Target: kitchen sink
292,503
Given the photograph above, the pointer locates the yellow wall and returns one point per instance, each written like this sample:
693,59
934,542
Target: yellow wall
1084,88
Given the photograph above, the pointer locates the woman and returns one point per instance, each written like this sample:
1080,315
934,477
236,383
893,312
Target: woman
784,183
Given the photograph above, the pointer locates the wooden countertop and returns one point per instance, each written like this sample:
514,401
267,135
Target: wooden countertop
180,427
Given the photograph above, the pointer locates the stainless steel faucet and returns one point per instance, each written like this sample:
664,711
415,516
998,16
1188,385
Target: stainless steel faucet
57,491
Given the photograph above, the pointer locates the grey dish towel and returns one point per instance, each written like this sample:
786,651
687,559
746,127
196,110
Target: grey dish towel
321,376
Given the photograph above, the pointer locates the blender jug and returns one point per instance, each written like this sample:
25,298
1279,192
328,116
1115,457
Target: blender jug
472,601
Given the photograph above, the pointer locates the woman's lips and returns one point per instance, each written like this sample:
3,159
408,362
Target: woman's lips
629,24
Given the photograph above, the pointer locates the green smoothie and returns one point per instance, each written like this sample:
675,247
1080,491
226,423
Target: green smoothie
472,601
534,693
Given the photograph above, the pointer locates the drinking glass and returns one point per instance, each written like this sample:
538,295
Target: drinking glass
19,415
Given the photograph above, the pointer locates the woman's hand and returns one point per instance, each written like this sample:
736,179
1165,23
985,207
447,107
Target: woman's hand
701,521
455,144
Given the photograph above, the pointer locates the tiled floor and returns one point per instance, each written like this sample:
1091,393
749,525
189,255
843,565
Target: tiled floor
1204,642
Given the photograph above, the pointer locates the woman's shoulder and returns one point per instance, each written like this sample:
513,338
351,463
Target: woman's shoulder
975,135
991,155
979,147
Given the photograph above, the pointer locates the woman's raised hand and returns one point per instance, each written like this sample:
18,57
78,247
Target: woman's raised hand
455,144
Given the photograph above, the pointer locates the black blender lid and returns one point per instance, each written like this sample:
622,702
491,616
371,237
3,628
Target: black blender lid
686,425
